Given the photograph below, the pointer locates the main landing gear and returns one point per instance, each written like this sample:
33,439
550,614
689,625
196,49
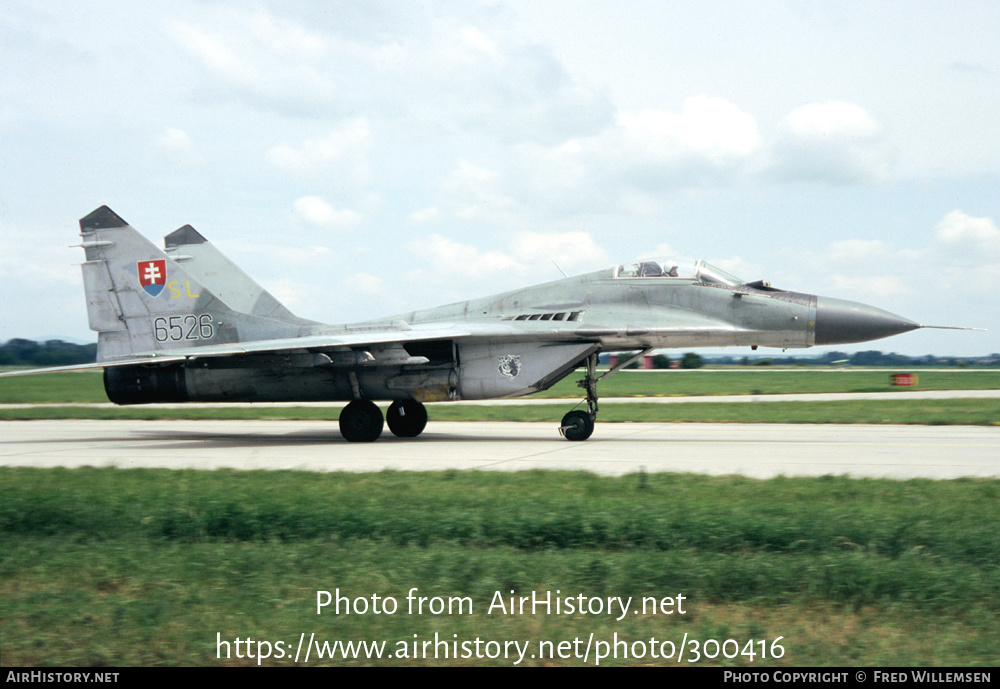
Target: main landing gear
361,421
406,418
579,424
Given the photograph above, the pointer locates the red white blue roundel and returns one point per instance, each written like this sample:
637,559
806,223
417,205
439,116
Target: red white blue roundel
153,276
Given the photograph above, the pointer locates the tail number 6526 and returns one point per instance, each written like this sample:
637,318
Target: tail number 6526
183,328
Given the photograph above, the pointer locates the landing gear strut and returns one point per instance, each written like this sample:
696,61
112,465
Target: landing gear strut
406,418
361,422
579,424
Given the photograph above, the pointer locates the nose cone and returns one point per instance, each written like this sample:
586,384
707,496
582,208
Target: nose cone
843,322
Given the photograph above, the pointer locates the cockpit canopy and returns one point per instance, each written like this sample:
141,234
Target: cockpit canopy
683,268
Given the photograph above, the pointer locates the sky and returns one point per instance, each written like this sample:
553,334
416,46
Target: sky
361,159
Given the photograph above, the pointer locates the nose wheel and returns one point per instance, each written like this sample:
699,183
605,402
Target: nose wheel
577,425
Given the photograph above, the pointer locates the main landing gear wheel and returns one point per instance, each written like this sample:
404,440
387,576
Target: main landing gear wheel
406,418
577,425
361,422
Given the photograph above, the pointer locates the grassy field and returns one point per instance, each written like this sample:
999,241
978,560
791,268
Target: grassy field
70,388
107,567
113,567
87,387
754,381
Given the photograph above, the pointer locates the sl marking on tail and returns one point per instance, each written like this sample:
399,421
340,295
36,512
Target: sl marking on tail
175,291
152,276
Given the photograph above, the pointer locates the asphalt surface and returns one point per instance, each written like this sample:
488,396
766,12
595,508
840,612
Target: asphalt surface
758,450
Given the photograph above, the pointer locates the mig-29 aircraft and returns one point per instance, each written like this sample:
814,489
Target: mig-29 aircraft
185,324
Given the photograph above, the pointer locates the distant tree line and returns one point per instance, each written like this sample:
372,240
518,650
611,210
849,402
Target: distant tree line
865,358
18,352
689,360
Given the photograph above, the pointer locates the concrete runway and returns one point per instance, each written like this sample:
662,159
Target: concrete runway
759,450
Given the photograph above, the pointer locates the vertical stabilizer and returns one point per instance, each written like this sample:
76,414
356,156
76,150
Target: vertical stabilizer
140,300
203,261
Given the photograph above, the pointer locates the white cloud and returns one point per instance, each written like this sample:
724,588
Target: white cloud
178,145
857,251
707,142
570,250
275,258
946,272
471,193
868,286
834,142
487,77
478,41
370,284
959,228
461,70
831,120
710,130
214,52
452,270
344,148
858,269
450,259
384,298
315,211
276,61
966,253
643,155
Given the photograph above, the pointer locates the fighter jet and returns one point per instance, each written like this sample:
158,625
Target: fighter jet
185,324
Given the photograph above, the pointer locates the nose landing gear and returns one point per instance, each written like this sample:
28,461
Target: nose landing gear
579,424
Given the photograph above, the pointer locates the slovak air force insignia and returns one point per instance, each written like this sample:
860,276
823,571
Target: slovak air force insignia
510,365
153,276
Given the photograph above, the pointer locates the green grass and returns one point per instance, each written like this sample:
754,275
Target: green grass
88,387
114,567
82,388
983,412
109,567
740,381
